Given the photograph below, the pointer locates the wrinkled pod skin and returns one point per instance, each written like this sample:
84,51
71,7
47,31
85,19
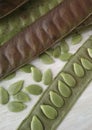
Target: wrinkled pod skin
42,34
8,6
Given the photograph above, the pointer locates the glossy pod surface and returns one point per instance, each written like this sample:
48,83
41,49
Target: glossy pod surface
42,34
8,6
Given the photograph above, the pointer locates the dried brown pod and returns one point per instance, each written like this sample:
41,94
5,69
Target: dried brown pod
42,34
8,6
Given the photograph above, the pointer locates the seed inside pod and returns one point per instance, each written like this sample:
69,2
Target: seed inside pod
69,79
89,52
49,111
56,99
78,69
36,124
64,89
86,64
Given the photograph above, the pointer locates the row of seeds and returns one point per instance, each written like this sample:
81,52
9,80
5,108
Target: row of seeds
65,87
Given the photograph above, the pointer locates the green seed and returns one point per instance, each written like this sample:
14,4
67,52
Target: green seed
46,59
86,64
64,90
15,87
65,56
56,52
11,76
26,68
22,97
4,96
76,38
47,77
34,89
49,52
78,69
89,52
36,124
15,106
68,78
56,99
36,73
64,46
49,111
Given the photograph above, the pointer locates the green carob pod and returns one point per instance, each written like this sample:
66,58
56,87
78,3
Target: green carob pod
48,113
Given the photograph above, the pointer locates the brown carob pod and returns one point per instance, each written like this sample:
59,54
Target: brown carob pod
8,6
42,34
86,24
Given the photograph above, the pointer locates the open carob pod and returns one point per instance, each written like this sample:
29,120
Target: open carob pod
42,34
8,6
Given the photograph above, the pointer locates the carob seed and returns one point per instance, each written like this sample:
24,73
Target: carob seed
46,59
47,77
64,47
65,56
34,89
36,73
4,96
76,38
89,52
26,68
36,124
78,69
21,97
64,90
15,87
16,106
68,79
86,64
56,99
49,111
56,52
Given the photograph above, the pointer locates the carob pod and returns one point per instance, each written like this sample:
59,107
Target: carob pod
87,23
66,87
8,6
26,15
43,34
